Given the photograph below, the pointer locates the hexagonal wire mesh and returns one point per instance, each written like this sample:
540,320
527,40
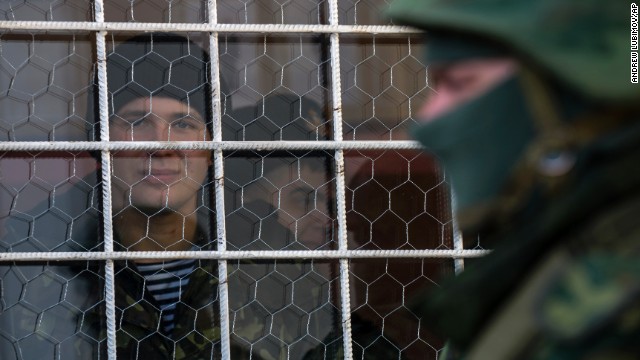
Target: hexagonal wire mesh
286,237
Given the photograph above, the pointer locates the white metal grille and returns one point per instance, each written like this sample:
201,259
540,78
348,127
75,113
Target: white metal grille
354,28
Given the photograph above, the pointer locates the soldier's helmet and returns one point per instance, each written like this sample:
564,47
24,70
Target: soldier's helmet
584,44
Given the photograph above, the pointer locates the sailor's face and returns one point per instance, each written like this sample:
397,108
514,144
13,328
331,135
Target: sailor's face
153,181
303,201
298,193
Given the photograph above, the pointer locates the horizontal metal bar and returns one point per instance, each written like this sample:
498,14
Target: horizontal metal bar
241,255
220,28
207,145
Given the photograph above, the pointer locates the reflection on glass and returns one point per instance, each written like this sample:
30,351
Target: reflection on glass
281,200
48,202
275,87
396,200
46,10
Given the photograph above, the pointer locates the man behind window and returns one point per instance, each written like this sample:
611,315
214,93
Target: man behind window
159,90
162,201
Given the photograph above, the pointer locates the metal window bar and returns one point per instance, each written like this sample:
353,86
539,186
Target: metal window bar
345,297
105,159
218,163
343,254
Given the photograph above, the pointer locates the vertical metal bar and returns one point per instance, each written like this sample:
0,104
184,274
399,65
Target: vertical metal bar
345,290
218,169
458,244
103,110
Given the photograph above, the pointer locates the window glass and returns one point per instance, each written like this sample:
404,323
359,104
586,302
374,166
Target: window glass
46,10
219,248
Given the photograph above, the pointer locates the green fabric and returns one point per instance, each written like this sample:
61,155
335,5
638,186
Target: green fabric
197,329
588,290
367,343
465,142
594,221
445,48
584,43
60,306
264,325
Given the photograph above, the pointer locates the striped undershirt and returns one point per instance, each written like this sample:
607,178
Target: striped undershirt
165,282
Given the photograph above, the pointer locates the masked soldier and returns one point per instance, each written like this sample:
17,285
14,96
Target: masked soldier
535,120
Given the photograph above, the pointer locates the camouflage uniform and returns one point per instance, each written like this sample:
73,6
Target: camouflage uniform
261,328
285,312
61,305
564,279
562,284
197,331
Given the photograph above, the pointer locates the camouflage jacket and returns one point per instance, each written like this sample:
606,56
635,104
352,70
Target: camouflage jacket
265,325
278,309
564,279
367,343
197,329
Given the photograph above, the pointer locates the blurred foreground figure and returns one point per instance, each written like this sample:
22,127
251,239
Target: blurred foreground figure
535,120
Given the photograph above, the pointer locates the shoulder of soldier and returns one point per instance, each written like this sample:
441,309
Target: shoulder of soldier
580,299
590,304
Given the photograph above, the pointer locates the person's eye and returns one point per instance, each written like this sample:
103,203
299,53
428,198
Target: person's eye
138,122
118,122
459,83
186,124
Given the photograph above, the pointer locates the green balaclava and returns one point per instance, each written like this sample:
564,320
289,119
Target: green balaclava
479,142
574,58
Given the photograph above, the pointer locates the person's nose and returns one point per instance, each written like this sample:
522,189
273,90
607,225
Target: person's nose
157,131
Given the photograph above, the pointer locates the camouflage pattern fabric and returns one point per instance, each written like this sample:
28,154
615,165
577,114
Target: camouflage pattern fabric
197,330
564,280
281,309
256,335
365,336
58,308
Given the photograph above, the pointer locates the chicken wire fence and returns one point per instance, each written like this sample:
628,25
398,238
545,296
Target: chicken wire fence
252,194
